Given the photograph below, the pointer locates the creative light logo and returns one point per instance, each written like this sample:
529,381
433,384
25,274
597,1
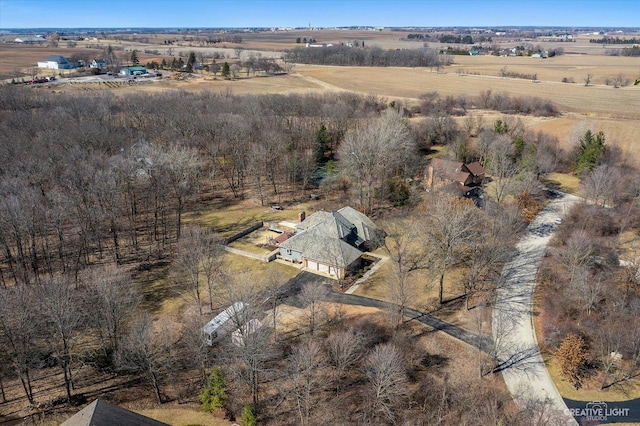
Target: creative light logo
598,411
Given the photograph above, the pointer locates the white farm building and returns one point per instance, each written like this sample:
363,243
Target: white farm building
58,62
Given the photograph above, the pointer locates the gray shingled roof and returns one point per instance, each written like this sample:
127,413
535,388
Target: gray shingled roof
58,58
329,237
314,244
367,229
101,413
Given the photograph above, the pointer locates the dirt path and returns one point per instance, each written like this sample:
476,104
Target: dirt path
521,363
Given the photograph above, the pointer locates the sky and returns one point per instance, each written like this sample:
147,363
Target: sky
316,13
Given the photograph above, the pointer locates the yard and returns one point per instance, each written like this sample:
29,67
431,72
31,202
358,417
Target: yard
256,242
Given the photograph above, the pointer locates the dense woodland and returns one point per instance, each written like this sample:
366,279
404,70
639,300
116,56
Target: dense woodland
95,187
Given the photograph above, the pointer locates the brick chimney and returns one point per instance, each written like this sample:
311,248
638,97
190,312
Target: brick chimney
301,216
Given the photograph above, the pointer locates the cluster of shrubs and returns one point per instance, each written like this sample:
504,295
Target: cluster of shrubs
504,72
432,103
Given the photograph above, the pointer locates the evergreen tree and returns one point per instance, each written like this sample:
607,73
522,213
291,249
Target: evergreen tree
590,151
226,72
249,417
134,58
322,144
191,61
500,127
214,394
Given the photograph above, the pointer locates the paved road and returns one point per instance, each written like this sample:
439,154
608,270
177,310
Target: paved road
515,340
481,342
291,296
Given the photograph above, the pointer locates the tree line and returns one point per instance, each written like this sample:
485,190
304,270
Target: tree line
615,40
367,56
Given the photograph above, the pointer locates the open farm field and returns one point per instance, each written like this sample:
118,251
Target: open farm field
387,39
17,60
615,111
410,83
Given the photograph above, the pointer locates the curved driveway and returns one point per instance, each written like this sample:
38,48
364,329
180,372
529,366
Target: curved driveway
516,347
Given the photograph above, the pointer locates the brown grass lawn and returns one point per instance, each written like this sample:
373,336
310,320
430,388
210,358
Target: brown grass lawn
591,388
425,283
563,182
252,242
230,218
178,416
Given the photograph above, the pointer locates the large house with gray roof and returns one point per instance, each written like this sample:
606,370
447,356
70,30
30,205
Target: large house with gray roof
332,242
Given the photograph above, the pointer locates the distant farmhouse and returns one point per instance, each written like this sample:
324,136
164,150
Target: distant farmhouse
58,62
332,242
99,63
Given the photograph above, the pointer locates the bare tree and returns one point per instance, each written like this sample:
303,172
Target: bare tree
497,230
576,253
112,300
373,152
272,284
502,167
147,350
387,382
182,167
312,296
188,267
345,351
19,327
450,224
196,351
247,358
307,364
602,185
63,316
407,255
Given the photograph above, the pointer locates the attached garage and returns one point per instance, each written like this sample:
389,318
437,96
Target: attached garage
313,265
321,267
